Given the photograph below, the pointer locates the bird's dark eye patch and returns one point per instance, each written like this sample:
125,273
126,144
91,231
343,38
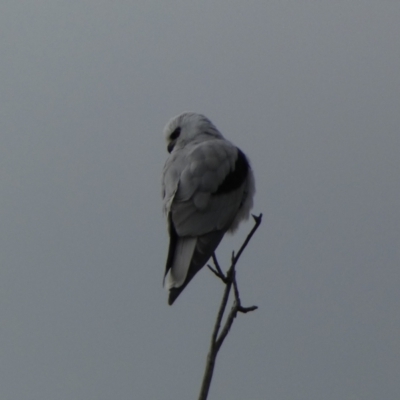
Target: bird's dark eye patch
175,134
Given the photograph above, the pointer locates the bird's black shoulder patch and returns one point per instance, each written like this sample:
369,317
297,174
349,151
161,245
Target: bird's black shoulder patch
236,177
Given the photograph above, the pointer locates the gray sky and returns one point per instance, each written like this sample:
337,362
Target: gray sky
309,90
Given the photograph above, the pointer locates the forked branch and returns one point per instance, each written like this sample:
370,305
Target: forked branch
219,334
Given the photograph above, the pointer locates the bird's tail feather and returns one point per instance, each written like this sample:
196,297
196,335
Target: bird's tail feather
183,253
205,247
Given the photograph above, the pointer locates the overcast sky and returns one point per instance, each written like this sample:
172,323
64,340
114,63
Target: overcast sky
310,90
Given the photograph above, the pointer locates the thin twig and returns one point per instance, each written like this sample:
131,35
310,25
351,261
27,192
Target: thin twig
218,337
217,267
216,273
257,220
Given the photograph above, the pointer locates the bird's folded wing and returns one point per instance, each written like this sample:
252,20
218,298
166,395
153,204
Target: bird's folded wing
199,206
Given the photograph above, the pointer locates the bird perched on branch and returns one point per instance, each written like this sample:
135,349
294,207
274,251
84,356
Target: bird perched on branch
208,188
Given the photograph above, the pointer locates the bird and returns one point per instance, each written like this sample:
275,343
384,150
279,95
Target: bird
207,189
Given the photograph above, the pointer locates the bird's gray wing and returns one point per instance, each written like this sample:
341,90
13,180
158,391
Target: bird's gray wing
210,188
203,189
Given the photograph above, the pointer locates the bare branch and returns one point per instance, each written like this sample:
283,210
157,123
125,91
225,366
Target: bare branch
229,321
212,354
257,220
217,271
217,267
218,337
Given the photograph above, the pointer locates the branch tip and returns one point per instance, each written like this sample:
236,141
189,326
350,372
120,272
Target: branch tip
245,310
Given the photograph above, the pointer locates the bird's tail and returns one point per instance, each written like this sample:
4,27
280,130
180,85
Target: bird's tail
205,247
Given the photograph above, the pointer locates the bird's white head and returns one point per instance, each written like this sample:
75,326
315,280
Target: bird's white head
189,127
